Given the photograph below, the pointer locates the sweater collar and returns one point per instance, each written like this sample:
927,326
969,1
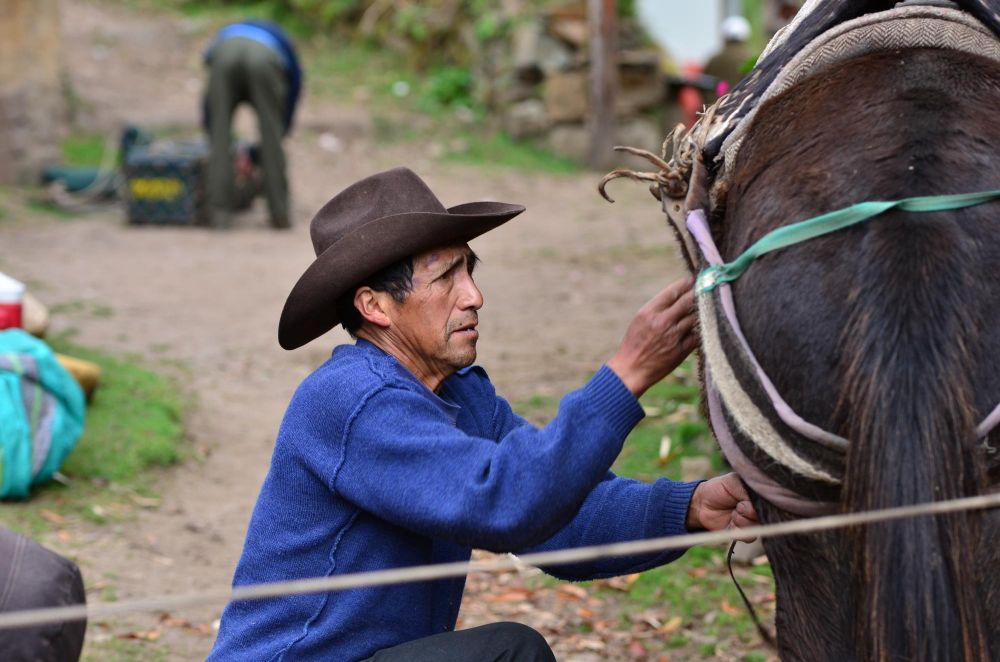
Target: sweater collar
398,371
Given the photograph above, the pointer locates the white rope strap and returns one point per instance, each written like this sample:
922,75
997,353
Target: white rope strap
747,416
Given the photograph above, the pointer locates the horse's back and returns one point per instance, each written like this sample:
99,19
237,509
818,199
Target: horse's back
887,126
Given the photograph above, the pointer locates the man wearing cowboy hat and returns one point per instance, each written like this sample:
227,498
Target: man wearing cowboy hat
397,451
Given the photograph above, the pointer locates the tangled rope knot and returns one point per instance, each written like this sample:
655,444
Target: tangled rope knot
683,144
672,176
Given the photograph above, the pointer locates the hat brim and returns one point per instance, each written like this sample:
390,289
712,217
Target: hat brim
310,309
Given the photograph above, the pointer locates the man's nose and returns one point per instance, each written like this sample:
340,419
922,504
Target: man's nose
472,297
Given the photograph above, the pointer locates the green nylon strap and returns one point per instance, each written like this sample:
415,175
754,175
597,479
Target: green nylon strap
832,221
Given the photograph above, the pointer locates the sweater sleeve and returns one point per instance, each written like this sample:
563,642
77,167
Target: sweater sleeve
622,510
404,461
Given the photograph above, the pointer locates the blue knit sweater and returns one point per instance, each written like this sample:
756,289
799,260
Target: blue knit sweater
371,470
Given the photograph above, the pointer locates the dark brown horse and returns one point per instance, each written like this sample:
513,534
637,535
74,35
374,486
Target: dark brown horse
888,335
885,336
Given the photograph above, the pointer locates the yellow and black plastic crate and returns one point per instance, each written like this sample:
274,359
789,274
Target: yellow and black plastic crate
165,184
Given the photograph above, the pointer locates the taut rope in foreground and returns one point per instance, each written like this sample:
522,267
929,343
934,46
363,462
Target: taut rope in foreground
34,617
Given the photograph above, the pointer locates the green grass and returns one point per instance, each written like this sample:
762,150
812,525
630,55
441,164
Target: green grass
87,149
82,308
133,423
116,649
672,412
357,71
698,584
39,206
539,409
361,72
492,149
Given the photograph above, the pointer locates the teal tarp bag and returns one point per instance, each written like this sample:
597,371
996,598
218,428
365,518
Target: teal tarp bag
41,413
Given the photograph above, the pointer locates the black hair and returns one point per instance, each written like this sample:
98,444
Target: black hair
396,279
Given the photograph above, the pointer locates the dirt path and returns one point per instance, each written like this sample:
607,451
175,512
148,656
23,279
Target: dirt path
560,283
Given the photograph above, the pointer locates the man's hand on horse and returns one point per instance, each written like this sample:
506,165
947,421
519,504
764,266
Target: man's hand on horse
659,338
721,503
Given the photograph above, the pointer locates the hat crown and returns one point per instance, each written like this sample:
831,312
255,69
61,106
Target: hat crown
396,191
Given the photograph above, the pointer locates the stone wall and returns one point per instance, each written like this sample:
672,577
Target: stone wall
549,97
32,104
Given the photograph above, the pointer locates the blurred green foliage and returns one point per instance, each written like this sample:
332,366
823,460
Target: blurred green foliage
497,149
448,86
754,11
444,59
87,149
400,24
446,42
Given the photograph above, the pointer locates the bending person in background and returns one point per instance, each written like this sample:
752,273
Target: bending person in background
398,452
250,62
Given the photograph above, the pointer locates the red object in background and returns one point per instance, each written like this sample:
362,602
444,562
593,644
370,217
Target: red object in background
11,297
10,315
689,98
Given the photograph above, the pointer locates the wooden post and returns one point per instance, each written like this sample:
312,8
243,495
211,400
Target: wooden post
32,106
602,16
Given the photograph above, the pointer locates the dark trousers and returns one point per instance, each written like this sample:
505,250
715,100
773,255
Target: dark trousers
497,642
243,70
33,577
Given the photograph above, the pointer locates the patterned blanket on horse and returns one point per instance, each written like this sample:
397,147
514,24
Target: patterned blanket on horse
840,29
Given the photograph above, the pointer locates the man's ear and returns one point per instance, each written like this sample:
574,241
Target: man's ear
373,306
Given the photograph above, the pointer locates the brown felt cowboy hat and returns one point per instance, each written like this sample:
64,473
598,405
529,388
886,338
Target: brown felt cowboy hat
366,227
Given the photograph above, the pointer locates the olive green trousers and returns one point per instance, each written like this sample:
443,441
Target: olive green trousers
245,71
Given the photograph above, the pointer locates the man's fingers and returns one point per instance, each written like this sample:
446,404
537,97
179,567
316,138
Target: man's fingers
734,485
746,510
685,324
679,318
669,295
688,343
683,304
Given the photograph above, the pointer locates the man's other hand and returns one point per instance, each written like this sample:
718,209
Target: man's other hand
721,503
658,339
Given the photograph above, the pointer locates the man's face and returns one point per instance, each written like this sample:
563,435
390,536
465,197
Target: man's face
436,324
